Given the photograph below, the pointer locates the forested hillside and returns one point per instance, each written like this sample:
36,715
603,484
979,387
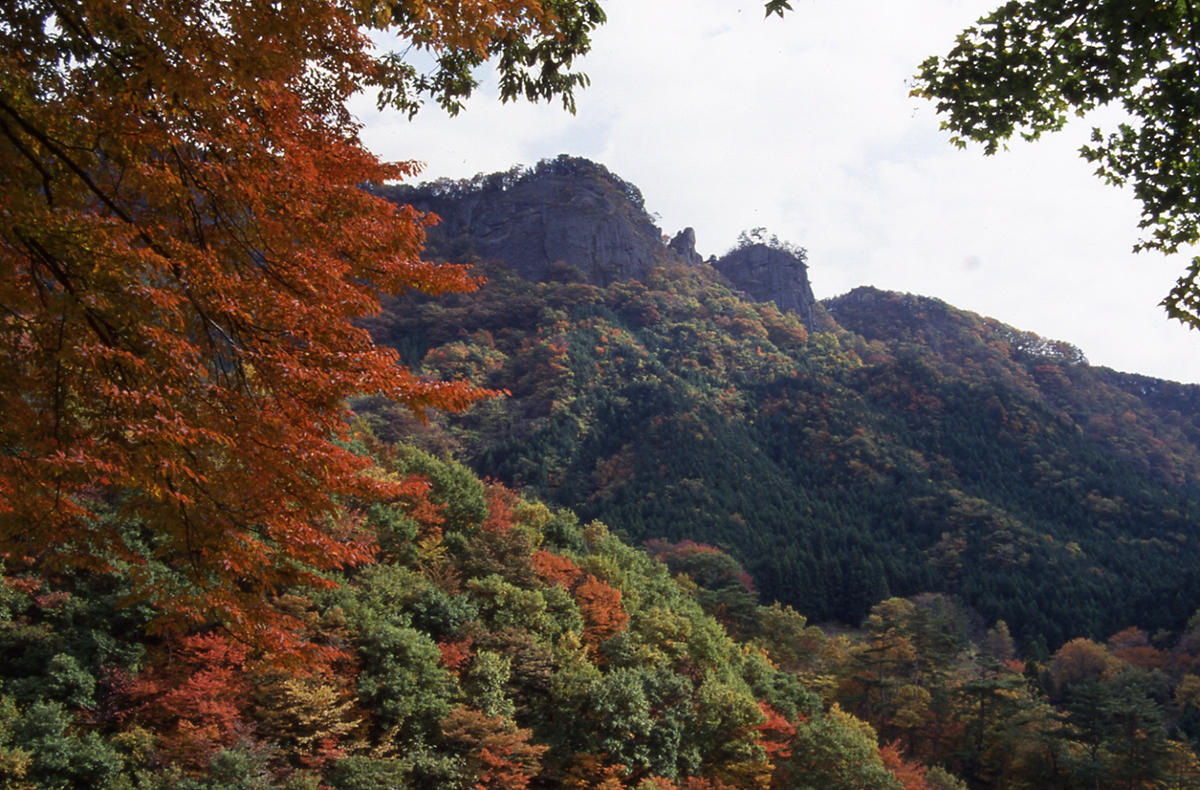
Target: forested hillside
899,447
495,643
286,506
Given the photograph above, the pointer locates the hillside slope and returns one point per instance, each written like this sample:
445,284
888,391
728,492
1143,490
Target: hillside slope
901,446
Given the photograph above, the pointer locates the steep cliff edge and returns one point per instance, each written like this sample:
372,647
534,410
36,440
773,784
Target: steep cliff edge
772,272
565,214
572,218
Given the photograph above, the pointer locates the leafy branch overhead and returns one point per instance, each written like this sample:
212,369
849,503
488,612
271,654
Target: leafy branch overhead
1029,66
533,57
185,245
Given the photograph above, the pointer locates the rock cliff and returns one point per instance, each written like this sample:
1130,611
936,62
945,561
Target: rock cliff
567,213
772,272
570,217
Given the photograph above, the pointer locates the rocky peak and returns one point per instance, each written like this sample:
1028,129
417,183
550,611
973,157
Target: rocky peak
567,213
684,245
771,271
570,217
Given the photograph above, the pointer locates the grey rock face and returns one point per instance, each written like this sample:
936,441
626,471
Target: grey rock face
684,245
766,273
550,219
572,218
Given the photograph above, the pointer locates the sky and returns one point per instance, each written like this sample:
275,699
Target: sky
728,121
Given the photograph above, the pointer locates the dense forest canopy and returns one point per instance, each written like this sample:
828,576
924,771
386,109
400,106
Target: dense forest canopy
498,643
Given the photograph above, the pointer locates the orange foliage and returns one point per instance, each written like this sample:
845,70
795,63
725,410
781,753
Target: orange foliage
600,606
556,569
686,783
185,250
910,773
497,755
594,772
599,603
1081,659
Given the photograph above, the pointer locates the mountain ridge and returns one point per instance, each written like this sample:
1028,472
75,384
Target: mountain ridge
837,467
572,218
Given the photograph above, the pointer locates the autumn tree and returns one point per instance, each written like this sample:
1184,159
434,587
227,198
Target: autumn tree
196,696
495,754
184,248
1079,661
1028,66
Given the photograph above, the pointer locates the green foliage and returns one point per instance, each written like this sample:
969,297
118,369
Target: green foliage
457,491
533,67
402,679
14,760
367,773
48,753
836,751
929,450
241,768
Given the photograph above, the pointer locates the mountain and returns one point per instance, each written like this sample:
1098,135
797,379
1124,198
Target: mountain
909,469
571,218
876,444
569,214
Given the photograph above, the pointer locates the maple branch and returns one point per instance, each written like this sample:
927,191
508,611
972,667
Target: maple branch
186,175
33,159
58,384
78,170
39,254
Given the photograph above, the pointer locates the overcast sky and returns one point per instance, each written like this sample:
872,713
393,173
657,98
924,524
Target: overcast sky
728,121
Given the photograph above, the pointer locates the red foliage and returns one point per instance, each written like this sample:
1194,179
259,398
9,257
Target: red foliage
910,773
775,734
196,696
600,605
500,503
456,654
1133,646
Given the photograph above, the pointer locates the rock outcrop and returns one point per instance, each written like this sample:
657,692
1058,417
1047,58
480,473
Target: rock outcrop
684,245
572,218
769,272
567,214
